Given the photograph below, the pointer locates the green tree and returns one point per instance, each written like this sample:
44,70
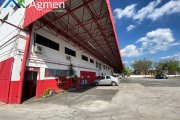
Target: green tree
71,71
178,69
143,65
126,71
169,66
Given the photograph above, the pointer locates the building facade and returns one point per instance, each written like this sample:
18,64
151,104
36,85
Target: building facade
36,47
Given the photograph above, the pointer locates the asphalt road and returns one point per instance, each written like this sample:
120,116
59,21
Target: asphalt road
133,99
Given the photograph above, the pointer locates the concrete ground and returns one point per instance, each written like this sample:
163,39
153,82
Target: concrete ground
133,99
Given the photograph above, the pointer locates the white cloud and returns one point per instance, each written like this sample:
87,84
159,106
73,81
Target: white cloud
128,12
145,11
130,27
148,12
171,7
131,51
158,40
175,56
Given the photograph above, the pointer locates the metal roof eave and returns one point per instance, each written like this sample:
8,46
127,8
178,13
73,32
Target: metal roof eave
75,20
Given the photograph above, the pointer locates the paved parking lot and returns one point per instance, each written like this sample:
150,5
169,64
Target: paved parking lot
133,99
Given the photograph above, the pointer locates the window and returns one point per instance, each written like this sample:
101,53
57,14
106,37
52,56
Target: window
108,77
14,9
46,42
91,60
49,73
5,18
70,52
97,65
84,58
55,73
104,67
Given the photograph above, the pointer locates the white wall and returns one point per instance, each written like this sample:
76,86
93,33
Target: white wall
12,48
59,57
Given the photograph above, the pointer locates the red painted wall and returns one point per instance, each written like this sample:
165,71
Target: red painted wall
91,78
43,85
13,93
5,78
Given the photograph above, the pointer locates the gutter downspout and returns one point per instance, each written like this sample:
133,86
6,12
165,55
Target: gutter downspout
23,68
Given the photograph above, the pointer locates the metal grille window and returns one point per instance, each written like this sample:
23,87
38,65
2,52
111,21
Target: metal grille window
15,8
49,73
46,42
55,72
91,60
84,58
5,18
97,65
70,52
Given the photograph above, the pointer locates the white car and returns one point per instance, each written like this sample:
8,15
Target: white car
107,80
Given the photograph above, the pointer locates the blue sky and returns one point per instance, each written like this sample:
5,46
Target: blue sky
1,2
147,28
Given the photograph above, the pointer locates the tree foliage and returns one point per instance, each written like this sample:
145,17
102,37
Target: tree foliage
126,71
143,65
169,66
71,70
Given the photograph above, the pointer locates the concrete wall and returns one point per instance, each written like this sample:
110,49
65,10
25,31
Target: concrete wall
12,45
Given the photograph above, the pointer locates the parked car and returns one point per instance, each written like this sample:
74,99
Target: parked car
107,80
161,76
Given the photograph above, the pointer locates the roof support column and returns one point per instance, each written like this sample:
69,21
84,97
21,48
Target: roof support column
23,68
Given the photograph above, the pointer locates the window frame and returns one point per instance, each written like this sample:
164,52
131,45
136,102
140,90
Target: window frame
97,64
85,58
5,19
100,66
71,52
43,43
55,73
15,8
91,61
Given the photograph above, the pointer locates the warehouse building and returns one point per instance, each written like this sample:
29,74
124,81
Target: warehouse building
39,40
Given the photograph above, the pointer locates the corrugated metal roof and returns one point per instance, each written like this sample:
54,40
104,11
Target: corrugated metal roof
87,24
